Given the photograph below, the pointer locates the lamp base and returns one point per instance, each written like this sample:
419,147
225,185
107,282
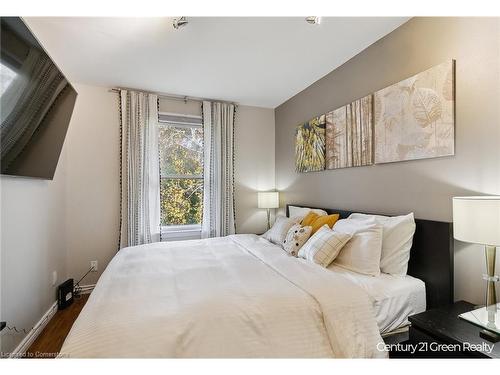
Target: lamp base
490,336
487,318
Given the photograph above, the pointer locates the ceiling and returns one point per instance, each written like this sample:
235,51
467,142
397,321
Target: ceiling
260,61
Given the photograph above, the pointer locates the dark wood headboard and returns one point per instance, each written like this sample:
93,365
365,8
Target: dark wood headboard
431,257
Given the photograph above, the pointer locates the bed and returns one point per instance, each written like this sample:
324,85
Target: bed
394,298
242,296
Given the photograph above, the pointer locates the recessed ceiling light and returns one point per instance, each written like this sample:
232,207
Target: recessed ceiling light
313,20
180,22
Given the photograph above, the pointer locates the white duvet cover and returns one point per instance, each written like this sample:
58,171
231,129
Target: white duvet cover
237,296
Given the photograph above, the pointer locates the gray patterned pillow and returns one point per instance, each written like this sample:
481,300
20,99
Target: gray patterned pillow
280,228
295,238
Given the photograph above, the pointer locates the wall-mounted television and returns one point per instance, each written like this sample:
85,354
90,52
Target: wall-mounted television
36,104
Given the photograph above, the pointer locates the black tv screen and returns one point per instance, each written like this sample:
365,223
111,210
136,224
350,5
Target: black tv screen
36,104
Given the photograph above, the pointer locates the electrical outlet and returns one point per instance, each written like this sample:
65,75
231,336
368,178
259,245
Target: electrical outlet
54,278
93,265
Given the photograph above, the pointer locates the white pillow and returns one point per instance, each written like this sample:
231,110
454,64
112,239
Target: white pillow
397,239
280,228
324,246
301,212
362,253
295,238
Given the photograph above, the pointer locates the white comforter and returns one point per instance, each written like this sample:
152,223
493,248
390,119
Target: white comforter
237,296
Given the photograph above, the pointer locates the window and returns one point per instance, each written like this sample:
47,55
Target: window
181,172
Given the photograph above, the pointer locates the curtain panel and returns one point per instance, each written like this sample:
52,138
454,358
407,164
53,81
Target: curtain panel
140,176
218,170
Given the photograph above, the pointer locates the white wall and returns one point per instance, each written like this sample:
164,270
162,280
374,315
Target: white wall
32,247
61,225
92,200
254,165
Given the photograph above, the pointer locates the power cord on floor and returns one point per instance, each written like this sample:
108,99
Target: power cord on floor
19,330
77,289
24,330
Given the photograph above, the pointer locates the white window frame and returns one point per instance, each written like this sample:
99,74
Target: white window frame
187,231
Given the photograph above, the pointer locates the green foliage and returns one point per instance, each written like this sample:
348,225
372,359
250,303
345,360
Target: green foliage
181,169
181,201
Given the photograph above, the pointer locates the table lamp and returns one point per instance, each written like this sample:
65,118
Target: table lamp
268,200
477,220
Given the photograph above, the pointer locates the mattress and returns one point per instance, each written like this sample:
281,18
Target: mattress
394,298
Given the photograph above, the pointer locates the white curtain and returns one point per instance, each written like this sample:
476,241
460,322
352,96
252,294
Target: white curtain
140,176
218,172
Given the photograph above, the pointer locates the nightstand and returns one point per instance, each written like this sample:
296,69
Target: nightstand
440,333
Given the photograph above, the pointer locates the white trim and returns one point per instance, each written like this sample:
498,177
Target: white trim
179,120
182,177
31,336
180,115
181,232
178,124
180,228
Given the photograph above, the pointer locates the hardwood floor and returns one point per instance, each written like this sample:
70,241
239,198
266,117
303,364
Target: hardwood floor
49,342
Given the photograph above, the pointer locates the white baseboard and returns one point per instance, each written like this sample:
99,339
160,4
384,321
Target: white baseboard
31,336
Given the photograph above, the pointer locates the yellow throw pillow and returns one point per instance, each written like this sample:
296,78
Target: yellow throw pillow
318,222
309,219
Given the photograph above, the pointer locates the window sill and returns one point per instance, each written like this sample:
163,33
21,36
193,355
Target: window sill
180,232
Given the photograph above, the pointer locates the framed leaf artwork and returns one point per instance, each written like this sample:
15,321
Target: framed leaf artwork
349,135
310,145
415,118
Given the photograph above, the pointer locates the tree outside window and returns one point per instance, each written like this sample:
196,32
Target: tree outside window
181,174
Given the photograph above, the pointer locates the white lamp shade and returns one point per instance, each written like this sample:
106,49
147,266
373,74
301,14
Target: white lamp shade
268,199
477,219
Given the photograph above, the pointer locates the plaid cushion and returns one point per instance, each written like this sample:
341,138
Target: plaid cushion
324,246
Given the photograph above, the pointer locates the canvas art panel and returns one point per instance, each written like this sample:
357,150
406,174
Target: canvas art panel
310,145
349,135
414,118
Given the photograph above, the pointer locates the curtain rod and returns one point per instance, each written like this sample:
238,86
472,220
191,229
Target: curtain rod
185,99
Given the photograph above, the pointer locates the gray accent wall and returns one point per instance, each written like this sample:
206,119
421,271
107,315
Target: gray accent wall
423,186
